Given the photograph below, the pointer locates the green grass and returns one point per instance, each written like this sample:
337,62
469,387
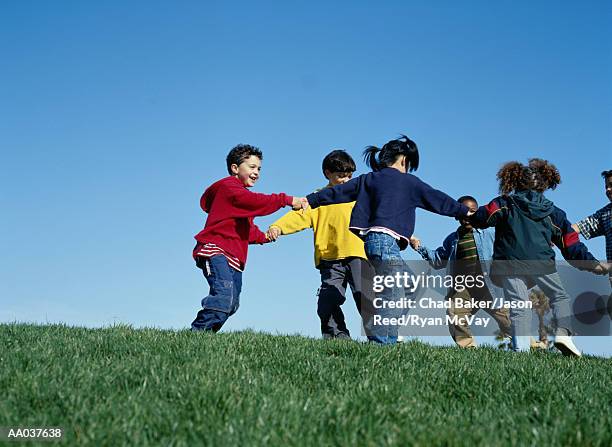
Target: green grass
120,386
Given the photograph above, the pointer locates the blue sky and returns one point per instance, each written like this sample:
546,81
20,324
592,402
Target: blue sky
117,115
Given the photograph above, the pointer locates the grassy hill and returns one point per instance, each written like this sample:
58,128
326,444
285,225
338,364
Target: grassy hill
120,386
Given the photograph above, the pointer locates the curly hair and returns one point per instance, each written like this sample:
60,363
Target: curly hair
538,175
547,174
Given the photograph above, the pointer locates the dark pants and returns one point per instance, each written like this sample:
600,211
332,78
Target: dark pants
335,276
224,296
461,333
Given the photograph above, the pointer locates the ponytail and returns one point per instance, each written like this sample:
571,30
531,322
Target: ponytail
412,154
369,156
390,152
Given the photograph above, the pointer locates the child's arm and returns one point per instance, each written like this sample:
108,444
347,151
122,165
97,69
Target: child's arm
344,193
489,215
590,226
569,243
252,204
293,222
438,202
439,257
256,236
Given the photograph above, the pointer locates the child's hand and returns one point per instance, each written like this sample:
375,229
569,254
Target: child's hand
300,203
273,233
415,242
603,268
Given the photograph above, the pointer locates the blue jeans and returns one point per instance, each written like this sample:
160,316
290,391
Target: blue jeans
515,289
223,299
384,254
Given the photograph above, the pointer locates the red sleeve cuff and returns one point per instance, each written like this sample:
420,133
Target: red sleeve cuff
288,200
492,207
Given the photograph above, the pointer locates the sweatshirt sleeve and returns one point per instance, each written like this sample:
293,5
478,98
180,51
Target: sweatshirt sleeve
438,202
294,221
256,236
344,193
489,215
251,204
439,257
569,243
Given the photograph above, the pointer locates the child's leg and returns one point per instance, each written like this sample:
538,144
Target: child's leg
501,316
218,305
236,291
515,290
461,333
360,276
559,300
384,254
331,296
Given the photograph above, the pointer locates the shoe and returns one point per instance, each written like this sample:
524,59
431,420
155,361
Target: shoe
343,336
567,347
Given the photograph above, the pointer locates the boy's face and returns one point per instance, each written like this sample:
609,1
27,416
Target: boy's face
337,178
473,206
247,171
609,187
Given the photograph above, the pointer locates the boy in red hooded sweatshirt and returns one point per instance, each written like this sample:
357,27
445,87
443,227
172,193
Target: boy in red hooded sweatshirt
221,249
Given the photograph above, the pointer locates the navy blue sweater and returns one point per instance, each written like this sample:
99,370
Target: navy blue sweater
388,198
526,224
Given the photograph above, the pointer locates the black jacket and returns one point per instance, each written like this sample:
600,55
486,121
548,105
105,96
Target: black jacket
527,224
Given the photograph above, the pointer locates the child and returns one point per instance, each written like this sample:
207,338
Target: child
467,251
339,254
526,225
384,215
600,222
221,250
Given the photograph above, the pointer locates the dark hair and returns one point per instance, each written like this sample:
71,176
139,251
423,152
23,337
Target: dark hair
606,174
539,175
389,153
240,153
338,161
466,198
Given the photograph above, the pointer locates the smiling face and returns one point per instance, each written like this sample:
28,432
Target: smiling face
248,171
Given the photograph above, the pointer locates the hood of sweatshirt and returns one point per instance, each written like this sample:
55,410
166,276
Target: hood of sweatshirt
533,204
209,195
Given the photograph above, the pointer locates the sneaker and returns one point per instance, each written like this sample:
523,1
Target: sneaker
343,336
567,347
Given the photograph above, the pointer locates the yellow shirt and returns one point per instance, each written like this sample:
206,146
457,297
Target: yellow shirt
332,239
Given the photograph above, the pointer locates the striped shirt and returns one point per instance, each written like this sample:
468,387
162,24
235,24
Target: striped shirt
599,224
467,254
208,250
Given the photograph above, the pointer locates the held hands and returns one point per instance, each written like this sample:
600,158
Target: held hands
415,242
299,203
603,268
273,233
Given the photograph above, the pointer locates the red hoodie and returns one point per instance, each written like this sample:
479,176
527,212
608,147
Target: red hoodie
231,208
